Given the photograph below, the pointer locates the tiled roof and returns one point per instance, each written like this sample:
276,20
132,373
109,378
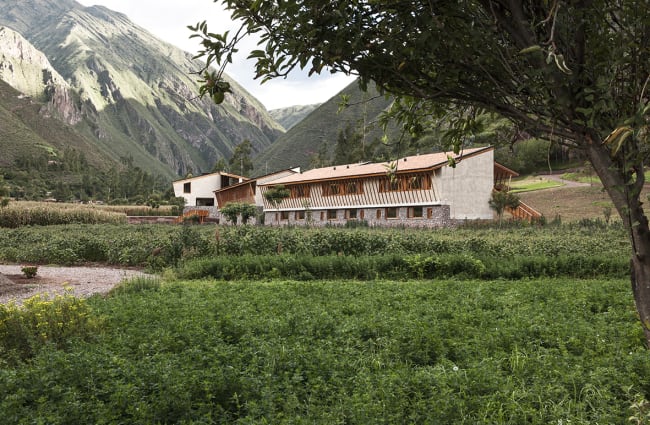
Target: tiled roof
406,164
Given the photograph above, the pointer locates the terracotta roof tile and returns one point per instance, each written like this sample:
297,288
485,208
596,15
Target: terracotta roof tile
409,163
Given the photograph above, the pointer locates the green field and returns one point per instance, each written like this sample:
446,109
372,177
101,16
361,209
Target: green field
326,352
507,325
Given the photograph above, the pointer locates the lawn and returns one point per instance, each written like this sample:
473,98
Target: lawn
533,183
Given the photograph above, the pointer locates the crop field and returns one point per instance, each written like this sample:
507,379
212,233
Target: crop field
250,325
535,351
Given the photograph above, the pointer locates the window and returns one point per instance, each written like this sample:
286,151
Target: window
284,215
342,188
389,184
416,212
391,212
361,214
300,215
300,191
351,214
378,214
429,213
351,187
205,202
322,216
187,187
415,182
331,214
421,181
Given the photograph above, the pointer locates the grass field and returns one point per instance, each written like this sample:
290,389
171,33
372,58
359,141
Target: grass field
532,184
334,352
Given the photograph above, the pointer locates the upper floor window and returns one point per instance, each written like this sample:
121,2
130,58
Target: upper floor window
187,187
350,187
420,181
300,191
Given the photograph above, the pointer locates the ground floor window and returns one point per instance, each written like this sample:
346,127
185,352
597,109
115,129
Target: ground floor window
300,215
331,214
416,212
205,202
429,213
351,214
284,215
378,214
391,212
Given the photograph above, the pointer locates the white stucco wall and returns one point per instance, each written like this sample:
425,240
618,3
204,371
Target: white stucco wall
468,187
202,187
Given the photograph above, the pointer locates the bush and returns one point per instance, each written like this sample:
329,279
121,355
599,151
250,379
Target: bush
40,321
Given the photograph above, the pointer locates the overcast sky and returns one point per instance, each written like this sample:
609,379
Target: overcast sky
168,20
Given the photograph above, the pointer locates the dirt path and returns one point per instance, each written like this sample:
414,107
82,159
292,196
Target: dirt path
566,183
79,281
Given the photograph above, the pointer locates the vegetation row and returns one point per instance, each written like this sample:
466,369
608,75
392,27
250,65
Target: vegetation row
160,246
400,267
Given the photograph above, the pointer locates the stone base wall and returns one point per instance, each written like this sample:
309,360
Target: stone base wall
432,216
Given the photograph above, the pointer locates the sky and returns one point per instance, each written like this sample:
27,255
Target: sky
168,20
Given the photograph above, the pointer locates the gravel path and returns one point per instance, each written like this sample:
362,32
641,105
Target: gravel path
79,281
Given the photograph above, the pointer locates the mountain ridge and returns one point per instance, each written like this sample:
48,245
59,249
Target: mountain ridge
144,106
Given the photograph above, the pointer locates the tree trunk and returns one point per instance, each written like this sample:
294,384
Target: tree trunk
627,200
641,290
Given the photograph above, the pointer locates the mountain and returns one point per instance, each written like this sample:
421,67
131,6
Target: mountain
292,115
124,91
318,132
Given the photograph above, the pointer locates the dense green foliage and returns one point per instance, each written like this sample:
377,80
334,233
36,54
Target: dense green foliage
235,210
133,245
565,71
399,267
461,352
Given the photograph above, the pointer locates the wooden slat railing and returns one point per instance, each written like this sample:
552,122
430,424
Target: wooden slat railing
524,212
201,214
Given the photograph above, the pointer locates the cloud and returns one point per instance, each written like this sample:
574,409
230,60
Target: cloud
168,20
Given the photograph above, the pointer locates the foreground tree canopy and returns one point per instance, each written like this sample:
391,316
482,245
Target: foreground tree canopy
575,72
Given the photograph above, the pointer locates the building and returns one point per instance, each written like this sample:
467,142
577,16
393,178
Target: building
246,191
419,191
199,191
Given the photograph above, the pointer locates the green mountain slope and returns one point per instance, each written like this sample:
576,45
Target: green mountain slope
26,133
319,131
131,94
288,117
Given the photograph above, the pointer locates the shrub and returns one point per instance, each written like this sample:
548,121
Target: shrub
29,271
25,329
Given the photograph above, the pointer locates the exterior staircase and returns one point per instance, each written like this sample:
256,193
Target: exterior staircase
524,212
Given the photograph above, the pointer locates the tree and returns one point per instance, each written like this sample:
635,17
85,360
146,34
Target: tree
501,200
574,72
348,147
4,193
276,194
233,210
240,162
220,165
